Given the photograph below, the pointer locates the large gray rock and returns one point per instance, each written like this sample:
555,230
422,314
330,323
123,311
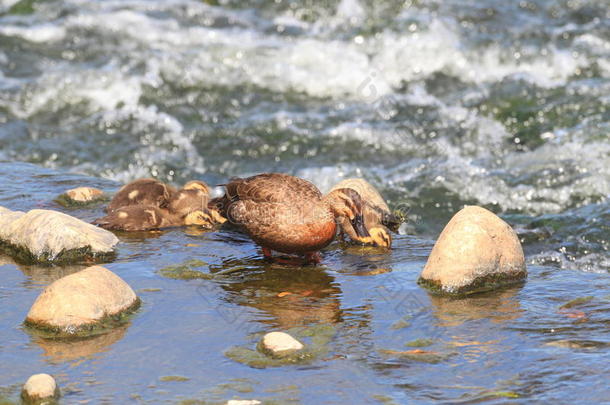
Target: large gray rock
82,302
476,251
48,236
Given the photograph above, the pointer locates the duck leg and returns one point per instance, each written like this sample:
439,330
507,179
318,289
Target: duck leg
313,258
267,253
310,258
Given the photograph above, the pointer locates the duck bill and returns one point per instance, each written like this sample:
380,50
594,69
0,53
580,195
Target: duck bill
359,228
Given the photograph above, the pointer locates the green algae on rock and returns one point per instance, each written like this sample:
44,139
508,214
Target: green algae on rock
476,252
82,304
45,236
174,378
185,271
420,343
319,337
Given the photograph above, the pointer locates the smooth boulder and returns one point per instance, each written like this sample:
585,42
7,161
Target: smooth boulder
51,236
81,302
38,388
477,251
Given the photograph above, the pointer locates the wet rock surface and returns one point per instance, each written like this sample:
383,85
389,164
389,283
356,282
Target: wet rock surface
39,388
82,303
81,196
49,236
476,251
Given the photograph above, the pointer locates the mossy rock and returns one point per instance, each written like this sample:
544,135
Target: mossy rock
186,271
86,330
68,202
22,255
315,339
85,303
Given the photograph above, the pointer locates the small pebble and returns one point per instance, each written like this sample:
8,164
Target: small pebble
280,342
39,386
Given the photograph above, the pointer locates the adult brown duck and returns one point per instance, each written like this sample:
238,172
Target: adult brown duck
288,214
378,219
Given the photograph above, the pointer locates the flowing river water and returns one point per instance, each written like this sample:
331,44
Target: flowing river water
503,104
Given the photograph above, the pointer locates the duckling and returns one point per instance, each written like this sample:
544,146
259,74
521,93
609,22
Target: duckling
148,218
212,210
288,214
185,207
147,192
377,215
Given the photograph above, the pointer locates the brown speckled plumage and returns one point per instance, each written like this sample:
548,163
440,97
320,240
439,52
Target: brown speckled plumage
284,213
150,204
148,192
138,218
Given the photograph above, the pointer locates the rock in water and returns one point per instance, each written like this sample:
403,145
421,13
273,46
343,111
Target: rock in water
38,388
51,236
279,344
81,302
477,251
80,196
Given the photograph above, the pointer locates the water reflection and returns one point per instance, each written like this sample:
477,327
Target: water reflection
42,275
59,350
290,296
361,260
498,306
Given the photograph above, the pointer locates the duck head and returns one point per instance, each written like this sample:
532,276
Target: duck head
380,236
199,217
186,201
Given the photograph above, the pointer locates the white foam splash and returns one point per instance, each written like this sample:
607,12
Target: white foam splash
38,33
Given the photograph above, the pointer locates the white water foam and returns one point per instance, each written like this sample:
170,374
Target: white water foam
319,67
39,33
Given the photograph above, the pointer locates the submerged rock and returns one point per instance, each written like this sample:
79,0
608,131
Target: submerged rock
38,388
477,251
279,344
81,196
81,303
51,236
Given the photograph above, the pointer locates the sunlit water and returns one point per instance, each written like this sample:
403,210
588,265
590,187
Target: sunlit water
437,103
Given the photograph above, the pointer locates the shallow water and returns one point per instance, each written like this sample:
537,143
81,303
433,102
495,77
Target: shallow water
437,103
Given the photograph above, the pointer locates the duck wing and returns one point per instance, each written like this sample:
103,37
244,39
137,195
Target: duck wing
273,188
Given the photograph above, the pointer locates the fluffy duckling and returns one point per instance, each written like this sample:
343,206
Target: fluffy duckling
150,204
148,218
185,207
288,214
377,215
146,192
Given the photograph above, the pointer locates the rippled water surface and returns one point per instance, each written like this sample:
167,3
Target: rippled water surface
438,103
